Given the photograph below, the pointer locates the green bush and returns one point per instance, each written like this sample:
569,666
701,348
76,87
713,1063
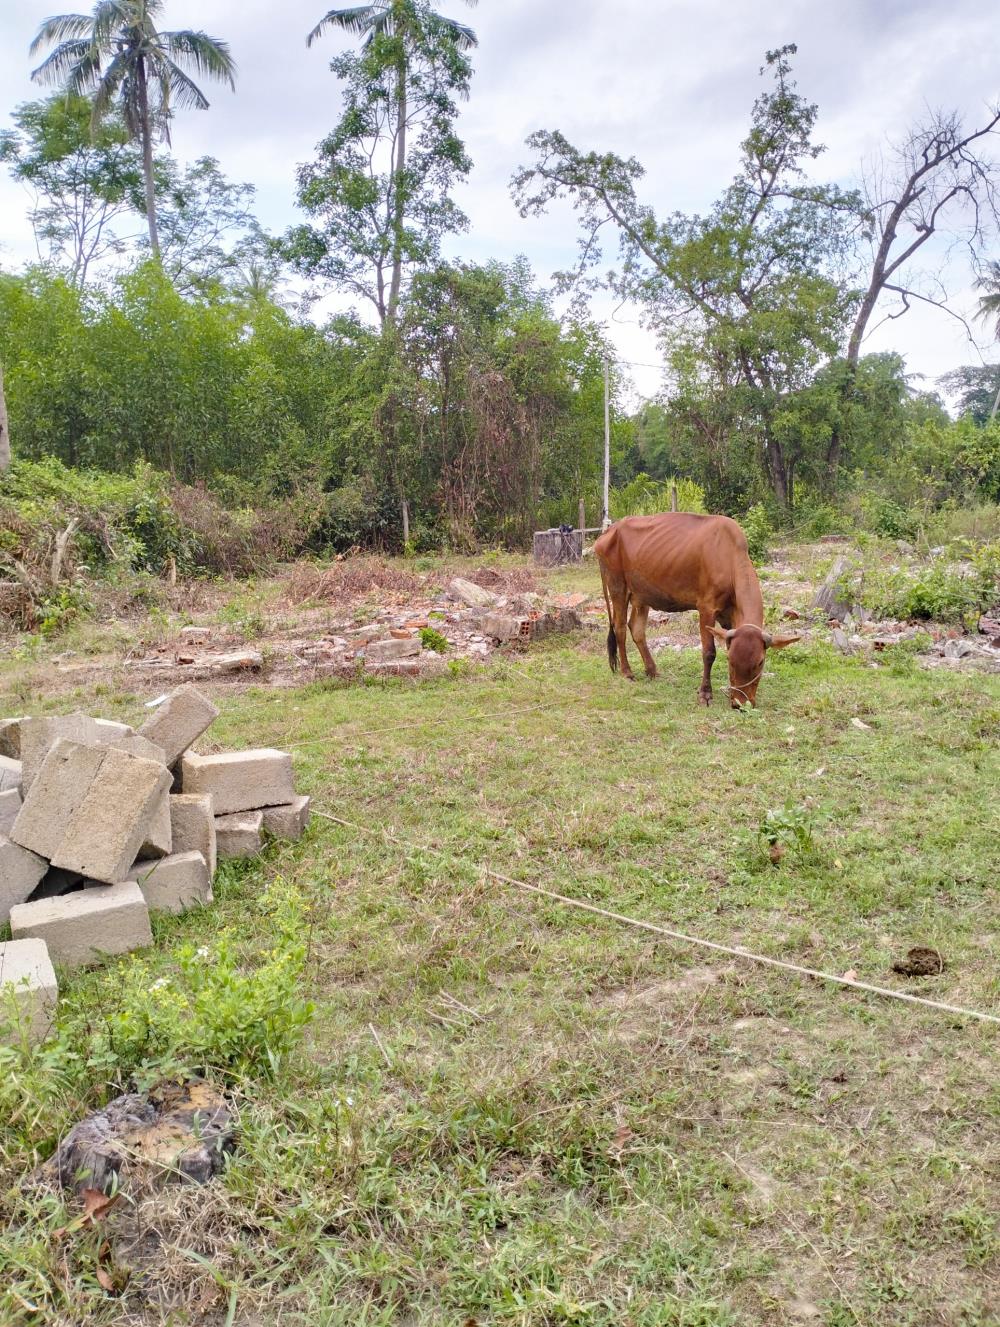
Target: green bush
886,517
646,497
758,530
433,640
943,591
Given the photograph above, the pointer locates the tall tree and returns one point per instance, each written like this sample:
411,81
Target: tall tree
745,297
117,55
4,428
380,186
83,178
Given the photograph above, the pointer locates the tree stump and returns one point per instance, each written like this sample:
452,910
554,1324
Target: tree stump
551,548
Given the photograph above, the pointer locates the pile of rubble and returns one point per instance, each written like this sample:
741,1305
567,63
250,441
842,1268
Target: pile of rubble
417,640
101,825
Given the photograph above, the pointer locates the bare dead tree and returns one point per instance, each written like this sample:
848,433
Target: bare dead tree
941,181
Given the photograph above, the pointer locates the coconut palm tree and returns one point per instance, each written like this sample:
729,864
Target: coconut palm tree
117,55
989,310
393,18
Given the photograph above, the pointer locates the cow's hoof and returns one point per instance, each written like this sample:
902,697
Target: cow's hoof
629,677
705,697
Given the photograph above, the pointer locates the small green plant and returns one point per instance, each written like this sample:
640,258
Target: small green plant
433,640
63,606
788,826
758,530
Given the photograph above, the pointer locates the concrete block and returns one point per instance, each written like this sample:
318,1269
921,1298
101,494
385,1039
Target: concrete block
10,737
173,883
10,804
159,841
28,990
471,594
91,808
380,651
239,834
39,736
240,780
20,872
179,720
10,774
54,796
289,821
192,825
80,927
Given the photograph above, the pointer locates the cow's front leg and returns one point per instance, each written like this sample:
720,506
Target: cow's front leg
706,622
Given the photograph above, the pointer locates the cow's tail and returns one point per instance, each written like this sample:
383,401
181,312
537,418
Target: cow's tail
612,638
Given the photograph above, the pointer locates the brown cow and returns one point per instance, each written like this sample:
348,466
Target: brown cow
677,561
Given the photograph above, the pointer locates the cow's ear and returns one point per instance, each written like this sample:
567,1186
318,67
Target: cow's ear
779,642
721,635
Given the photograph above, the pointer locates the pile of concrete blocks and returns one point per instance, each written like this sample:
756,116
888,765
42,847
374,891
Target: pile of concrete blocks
101,825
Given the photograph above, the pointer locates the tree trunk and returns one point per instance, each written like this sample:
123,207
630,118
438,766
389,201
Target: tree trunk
398,201
777,473
4,430
147,161
406,524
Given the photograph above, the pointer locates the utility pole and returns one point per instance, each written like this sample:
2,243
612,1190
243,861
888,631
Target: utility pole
605,519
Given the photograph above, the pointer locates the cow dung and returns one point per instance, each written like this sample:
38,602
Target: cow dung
176,1131
920,961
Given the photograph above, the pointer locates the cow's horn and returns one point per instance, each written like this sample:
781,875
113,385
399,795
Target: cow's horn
767,637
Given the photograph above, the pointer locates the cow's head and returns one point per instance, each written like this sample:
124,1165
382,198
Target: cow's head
746,648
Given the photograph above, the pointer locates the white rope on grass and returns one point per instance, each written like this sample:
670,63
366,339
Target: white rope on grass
681,936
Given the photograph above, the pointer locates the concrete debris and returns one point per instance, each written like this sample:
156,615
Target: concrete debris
10,804
178,1131
91,809
384,651
98,839
28,991
239,834
180,720
192,824
20,873
289,821
240,780
471,594
840,592
10,737
174,883
82,926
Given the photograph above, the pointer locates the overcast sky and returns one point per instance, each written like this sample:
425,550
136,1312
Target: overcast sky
669,81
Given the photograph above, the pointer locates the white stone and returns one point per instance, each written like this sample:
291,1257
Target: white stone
179,721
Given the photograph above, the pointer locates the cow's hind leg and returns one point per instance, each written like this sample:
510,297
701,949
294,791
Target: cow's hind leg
637,626
618,600
706,620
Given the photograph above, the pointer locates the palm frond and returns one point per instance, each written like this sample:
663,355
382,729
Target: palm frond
61,63
110,18
210,56
179,89
61,28
107,86
357,20
463,37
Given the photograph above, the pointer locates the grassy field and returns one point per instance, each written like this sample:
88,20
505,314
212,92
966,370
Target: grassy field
506,1112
